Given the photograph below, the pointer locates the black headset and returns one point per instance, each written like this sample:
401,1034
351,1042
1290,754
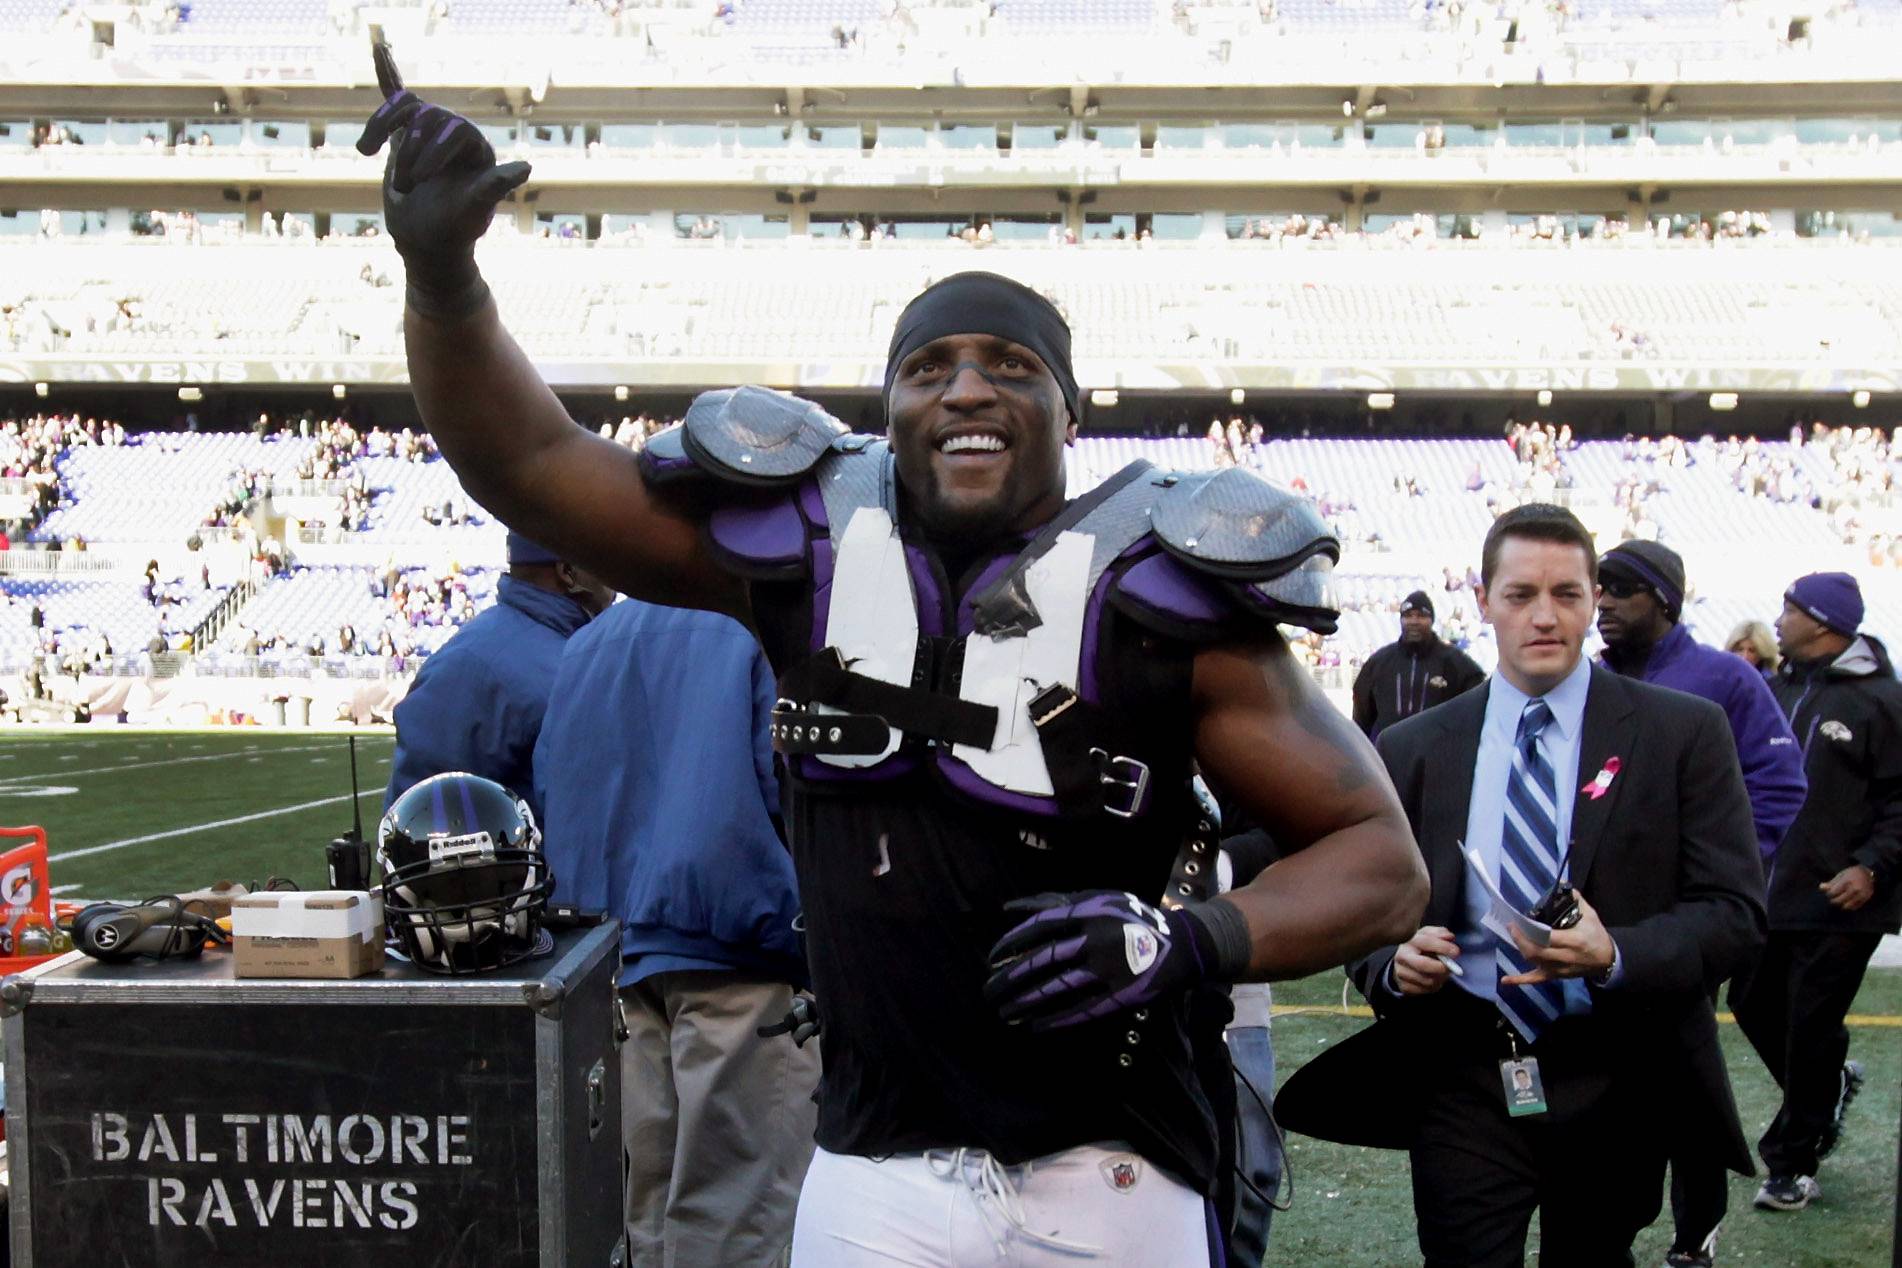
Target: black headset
158,927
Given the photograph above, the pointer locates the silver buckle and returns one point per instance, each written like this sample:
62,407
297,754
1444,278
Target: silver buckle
1108,770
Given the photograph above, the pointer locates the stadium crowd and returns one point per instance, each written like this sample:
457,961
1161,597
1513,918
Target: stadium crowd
1846,479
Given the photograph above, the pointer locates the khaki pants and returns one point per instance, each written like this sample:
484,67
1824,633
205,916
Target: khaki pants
718,1121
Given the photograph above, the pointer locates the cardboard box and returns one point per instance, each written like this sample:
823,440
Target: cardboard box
316,933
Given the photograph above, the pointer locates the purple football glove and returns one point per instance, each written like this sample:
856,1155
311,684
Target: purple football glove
440,188
1087,955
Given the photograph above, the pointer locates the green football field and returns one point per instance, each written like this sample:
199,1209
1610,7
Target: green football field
131,814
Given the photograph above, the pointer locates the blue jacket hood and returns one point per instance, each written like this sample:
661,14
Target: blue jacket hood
559,612
477,703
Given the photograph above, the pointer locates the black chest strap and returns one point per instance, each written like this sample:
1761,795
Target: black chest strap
826,679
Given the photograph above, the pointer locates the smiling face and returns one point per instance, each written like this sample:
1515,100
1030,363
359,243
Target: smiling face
978,425
1539,604
1416,627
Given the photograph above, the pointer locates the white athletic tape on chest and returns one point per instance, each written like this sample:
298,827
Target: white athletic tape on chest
1007,672
872,617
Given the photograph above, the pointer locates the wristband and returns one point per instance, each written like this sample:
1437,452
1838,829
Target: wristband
1221,936
445,290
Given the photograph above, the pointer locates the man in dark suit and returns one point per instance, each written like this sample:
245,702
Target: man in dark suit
1556,771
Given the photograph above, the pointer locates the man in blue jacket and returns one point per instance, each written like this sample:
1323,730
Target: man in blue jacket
657,772
1641,598
476,705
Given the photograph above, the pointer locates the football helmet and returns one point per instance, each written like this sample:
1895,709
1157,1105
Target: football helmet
464,879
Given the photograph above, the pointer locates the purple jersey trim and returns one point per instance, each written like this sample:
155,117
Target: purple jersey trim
821,590
770,533
665,466
1163,585
967,781
813,503
815,771
1087,684
926,597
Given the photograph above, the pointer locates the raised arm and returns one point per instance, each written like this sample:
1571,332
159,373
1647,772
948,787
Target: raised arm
1350,878
519,454
507,436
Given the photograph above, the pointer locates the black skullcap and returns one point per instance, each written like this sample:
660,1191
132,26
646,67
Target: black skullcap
1652,565
979,303
1417,602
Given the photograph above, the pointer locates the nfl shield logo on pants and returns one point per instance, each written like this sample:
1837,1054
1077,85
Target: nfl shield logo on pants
1122,1172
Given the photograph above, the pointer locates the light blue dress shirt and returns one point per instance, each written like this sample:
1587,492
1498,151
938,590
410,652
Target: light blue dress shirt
1486,816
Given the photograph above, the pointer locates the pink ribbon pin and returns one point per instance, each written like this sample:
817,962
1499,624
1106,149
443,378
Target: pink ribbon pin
1600,783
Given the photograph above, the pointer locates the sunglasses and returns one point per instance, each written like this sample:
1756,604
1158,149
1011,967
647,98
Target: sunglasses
1623,589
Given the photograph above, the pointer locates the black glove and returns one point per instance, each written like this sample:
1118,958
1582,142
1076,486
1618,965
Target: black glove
440,188
1087,955
801,1022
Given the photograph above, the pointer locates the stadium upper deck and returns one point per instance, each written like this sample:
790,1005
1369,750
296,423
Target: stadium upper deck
1639,317
1310,196
1007,42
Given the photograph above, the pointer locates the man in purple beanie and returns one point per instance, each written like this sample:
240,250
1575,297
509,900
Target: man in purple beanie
1640,606
1833,891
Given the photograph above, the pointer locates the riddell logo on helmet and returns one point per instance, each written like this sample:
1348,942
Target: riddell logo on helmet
477,843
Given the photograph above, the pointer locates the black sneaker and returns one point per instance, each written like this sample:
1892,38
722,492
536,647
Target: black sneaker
1787,1193
1704,1256
1833,1134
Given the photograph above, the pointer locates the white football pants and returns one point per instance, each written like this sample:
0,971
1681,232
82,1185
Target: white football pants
961,1208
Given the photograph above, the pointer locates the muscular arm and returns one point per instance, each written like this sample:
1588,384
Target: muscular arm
519,454
1351,878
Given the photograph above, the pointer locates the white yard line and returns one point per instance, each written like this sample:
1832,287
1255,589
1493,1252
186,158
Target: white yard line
206,827
169,761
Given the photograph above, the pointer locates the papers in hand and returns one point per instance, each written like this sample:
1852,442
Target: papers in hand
1501,916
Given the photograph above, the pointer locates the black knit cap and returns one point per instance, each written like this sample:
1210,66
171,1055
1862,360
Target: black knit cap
1417,602
977,303
1656,567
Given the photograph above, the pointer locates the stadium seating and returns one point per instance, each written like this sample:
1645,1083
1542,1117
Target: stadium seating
159,486
813,301
253,18
1398,538
316,602
115,609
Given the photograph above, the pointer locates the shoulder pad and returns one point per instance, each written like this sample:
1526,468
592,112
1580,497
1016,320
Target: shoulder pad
756,436
1235,525
1169,597
664,457
1303,596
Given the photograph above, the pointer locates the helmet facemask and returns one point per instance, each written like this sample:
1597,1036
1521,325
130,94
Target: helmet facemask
465,901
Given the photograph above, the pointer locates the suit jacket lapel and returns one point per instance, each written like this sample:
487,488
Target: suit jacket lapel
1448,787
1611,727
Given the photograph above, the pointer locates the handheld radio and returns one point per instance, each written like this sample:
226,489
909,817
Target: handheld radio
349,854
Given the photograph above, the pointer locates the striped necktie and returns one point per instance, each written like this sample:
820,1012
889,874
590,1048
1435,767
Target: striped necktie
1528,865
